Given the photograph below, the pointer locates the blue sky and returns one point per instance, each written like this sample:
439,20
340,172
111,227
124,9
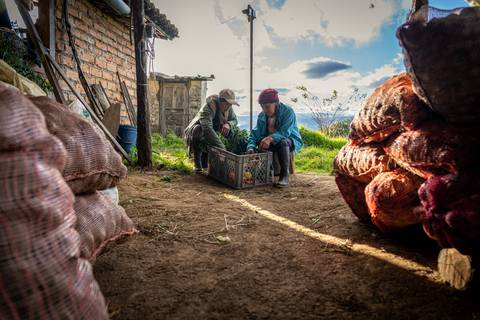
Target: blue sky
322,44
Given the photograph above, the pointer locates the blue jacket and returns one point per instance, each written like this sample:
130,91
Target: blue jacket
286,124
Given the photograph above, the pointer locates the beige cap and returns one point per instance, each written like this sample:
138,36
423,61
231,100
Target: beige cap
228,95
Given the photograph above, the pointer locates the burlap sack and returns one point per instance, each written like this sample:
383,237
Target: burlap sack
436,148
393,106
92,163
353,192
362,163
392,199
441,56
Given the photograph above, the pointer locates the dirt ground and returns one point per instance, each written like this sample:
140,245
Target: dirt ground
200,255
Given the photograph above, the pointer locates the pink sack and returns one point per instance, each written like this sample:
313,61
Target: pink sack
92,163
41,274
100,222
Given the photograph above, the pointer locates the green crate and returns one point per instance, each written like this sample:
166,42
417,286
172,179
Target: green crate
240,171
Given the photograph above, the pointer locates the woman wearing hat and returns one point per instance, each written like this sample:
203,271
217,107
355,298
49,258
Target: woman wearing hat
214,118
276,131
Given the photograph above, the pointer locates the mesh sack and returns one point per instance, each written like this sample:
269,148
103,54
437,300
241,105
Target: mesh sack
92,163
391,107
362,163
100,222
353,192
384,194
435,148
41,276
451,213
446,77
20,123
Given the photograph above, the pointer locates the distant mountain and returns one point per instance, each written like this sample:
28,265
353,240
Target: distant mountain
304,119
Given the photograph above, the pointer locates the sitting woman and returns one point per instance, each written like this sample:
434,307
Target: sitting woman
276,131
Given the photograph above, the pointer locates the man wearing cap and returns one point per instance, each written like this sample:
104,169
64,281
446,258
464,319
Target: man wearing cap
214,118
276,131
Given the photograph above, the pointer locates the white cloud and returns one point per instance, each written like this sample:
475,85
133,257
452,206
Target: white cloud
332,22
213,40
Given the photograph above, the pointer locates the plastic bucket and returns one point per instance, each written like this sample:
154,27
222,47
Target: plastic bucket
127,137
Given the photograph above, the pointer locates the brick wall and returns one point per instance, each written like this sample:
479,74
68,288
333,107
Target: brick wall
103,46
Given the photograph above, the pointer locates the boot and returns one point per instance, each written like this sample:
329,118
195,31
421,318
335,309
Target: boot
197,161
284,159
204,160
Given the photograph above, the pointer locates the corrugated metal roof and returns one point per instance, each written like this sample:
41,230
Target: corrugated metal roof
175,78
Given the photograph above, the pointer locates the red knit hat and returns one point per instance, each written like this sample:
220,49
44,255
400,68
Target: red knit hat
268,96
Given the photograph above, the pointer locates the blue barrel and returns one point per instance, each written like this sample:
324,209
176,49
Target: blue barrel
127,137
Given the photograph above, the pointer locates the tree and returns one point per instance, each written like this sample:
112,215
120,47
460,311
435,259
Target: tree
327,111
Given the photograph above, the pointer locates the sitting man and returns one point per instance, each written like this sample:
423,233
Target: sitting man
276,131
214,118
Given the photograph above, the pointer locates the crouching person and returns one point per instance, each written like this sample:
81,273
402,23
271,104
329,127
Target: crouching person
276,131
214,118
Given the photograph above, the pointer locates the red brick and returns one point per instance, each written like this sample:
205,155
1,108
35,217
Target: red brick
101,45
100,62
96,72
113,67
112,86
87,57
108,57
86,68
71,74
107,75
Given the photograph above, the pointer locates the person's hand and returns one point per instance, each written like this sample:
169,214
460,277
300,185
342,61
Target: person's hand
225,129
250,151
265,143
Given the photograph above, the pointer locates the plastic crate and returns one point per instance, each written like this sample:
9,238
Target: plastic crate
240,171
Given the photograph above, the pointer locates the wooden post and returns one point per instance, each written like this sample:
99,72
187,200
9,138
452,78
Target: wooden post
144,146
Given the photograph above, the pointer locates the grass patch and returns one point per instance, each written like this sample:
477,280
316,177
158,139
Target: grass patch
317,155
317,139
169,152
315,160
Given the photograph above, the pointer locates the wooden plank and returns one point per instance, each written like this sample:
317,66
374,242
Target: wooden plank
114,142
100,97
130,104
105,94
455,268
111,120
126,101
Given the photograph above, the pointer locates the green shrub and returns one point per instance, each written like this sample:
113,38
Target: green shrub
339,129
14,52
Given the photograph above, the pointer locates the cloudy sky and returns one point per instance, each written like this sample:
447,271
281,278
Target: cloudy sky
321,44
